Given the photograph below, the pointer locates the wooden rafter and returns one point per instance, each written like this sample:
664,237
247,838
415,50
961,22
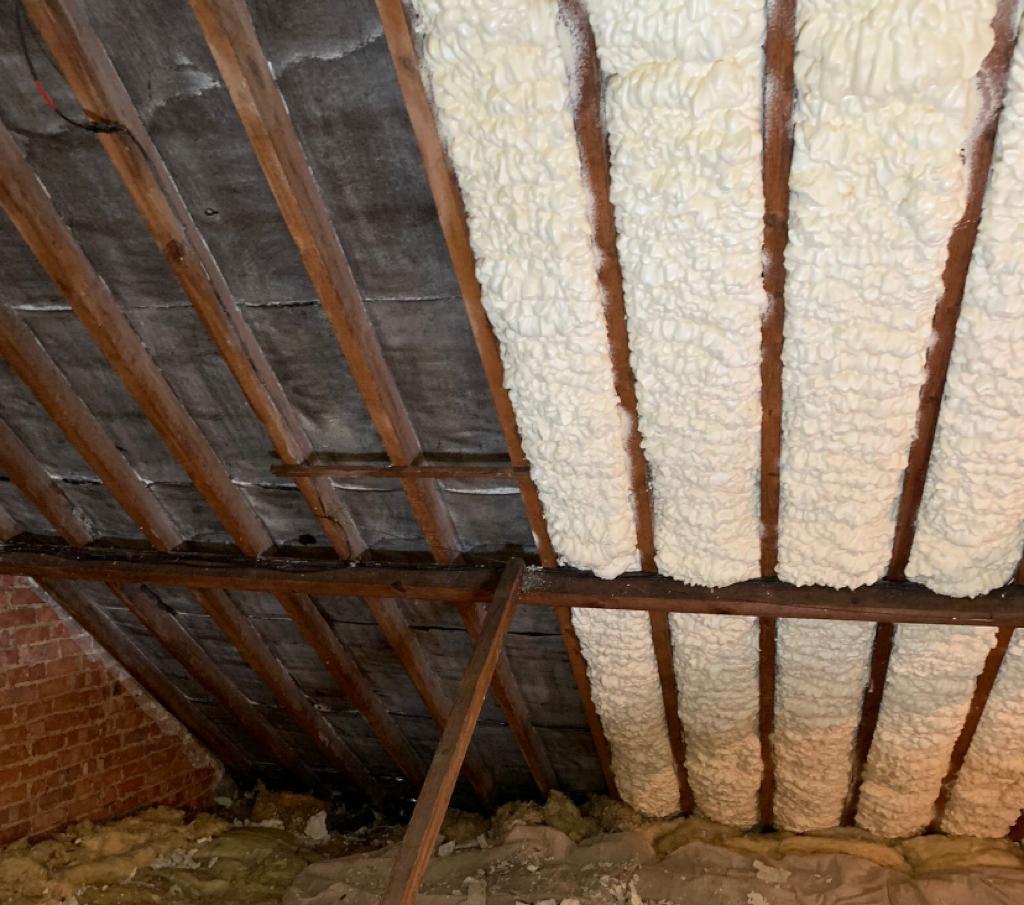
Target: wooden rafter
421,834
91,75
595,164
38,371
881,652
992,83
767,639
30,209
182,646
562,588
982,689
135,663
455,228
232,39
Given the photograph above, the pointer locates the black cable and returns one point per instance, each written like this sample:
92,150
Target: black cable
89,126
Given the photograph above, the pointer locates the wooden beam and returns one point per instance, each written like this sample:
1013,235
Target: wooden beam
766,719
138,666
777,129
421,835
596,166
241,633
991,82
352,681
455,228
21,467
882,602
424,678
232,39
8,526
1017,830
30,209
870,708
179,643
425,471
37,370
662,637
85,65
982,690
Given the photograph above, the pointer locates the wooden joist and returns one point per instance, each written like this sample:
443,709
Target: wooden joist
455,228
992,84
661,636
78,52
421,834
883,602
232,39
871,705
767,637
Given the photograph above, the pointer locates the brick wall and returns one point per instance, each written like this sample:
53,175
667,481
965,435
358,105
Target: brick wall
78,737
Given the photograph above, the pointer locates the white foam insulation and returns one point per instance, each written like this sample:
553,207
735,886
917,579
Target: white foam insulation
821,673
987,798
970,530
716,665
886,99
500,74
932,675
683,109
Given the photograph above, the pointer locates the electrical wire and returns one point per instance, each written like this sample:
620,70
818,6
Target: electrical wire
96,126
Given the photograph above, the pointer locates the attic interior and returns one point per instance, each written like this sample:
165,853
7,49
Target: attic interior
517,430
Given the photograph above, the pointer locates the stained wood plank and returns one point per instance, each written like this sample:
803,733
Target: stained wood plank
38,371
28,206
881,652
138,666
982,690
421,835
766,719
978,154
778,156
662,637
455,228
78,52
179,643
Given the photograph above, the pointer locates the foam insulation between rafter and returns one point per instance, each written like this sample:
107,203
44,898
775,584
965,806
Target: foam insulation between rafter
932,675
683,106
988,796
886,98
499,74
970,529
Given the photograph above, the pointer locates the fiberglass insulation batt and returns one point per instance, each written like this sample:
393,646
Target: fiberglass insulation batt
886,99
683,108
970,529
500,72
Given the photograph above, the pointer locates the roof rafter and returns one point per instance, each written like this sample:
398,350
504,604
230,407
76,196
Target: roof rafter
992,83
455,228
232,39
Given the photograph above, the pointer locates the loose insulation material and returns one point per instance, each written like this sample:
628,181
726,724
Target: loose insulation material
886,98
499,72
501,88
970,530
716,665
683,107
821,674
987,798
932,676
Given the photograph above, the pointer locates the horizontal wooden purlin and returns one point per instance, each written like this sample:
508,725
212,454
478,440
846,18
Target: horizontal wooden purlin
325,468
898,602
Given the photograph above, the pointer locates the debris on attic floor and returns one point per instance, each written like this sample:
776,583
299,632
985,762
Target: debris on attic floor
275,849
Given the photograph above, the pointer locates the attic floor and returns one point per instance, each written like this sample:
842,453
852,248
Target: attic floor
276,850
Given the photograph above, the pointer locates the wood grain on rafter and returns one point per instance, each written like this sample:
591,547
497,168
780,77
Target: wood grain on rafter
232,39
992,84
84,63
454,227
